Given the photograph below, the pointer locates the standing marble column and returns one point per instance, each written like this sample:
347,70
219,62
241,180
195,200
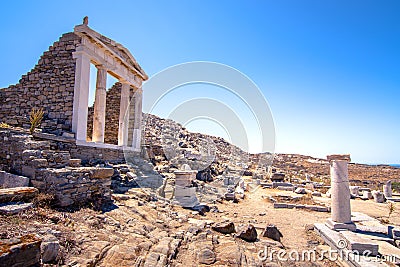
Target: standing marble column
99,115
81,95
137,123
387,189
340,190
124,115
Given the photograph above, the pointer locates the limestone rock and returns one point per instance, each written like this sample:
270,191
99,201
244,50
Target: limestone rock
206,256
49,248
101,173
8,180
14,208
224,227
17,194
248,233
271,231
300,190
25,251
378,196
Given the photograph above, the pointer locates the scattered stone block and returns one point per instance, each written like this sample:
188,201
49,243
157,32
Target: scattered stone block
224,227
300,190
248,233
359,243
280,205
17,194
14,207
22,251
378,196
271,231
49,248
316,194
8,180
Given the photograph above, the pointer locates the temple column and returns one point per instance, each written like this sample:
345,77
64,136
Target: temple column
81,95
99,115
340,193
124,115
137,123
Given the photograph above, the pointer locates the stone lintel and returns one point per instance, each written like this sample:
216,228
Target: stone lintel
344,157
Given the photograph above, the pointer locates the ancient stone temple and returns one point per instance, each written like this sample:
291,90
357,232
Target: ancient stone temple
59,84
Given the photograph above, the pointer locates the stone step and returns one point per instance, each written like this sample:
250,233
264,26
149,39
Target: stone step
14,207
360,243
17,194
337,243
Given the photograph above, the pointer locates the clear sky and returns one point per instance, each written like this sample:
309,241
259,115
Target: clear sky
330,70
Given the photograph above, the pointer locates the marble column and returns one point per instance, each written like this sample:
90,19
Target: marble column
387,189
99,115
137,123
81,95
124,115
340,190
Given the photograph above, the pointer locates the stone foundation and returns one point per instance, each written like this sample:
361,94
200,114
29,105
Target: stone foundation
48,168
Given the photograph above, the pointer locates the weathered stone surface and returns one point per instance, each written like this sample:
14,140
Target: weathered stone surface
8,180
101,173
49,248
271,231
17,194
300,190
206,256
247,233
14,208
224,227
74,162
23,251
378,196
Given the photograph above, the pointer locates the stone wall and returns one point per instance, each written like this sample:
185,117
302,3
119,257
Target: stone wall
49,85
51,170
113,101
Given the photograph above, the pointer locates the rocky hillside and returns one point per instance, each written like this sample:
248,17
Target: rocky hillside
169,142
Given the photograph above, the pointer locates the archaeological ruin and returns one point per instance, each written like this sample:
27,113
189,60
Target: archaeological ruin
59,84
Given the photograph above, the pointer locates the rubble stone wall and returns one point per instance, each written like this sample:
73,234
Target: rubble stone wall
49,85
49,170
113,101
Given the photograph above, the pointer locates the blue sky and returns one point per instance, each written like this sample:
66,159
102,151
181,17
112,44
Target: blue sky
330,70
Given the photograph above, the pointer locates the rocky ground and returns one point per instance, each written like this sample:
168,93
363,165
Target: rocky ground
139,230
142,228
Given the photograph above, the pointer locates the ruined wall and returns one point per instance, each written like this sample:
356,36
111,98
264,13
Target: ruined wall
49,85
53,171
113,101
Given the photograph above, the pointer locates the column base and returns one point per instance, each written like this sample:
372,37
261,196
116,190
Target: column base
340,226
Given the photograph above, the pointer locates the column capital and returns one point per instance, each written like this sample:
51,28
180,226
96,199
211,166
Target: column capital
343,157
101,67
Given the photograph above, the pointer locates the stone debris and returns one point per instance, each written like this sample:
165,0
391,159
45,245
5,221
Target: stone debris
224,227
247,233
49,248
271,231
14,207
378,196
300,190
17,194
22,251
